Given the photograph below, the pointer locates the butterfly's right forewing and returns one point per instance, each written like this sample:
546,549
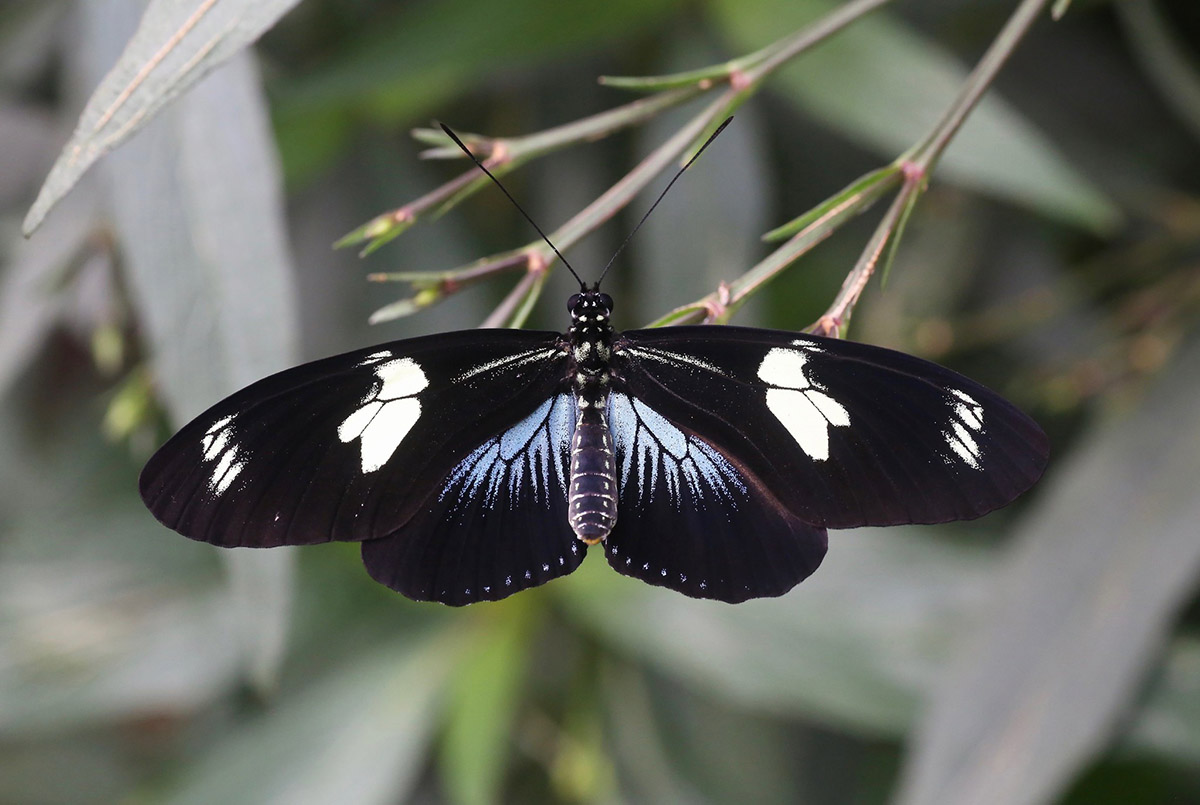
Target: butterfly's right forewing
350,447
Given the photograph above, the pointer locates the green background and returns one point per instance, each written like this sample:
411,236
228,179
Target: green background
1046,653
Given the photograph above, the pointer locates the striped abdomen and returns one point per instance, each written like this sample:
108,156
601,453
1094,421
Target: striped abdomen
592,506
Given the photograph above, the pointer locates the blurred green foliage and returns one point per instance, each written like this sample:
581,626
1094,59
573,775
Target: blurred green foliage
1046,653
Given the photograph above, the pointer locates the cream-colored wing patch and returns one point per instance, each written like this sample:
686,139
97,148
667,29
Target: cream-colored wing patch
386,415
801,405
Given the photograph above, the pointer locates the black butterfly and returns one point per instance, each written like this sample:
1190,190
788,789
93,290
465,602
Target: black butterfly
710,460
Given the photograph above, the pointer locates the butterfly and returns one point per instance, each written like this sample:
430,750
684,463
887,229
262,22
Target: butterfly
710,460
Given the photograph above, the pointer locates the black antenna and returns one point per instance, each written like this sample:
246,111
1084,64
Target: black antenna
520,209
686,165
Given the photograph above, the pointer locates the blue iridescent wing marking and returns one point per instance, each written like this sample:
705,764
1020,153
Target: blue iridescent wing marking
361,446
498,523
691,519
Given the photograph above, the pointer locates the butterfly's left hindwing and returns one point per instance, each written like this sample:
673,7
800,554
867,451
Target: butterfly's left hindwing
351,447
691,518
840,434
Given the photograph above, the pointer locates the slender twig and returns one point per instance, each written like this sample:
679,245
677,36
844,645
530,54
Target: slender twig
930,149
919,162
834,320
740,79
910,172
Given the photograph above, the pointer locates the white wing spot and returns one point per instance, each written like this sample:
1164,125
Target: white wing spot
801,405
220,449
964,426
375,357
386,415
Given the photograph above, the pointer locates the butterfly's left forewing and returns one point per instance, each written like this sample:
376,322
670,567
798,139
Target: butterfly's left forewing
840,434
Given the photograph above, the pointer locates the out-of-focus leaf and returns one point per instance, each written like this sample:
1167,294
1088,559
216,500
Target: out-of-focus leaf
27,35
885,87
1100,571
83,642
359,735
29,136
1168,723
101,619
30,296
857,197
177,42
261,587
198,211
666,749
1164,59
426,53
854,646
411,59
482,705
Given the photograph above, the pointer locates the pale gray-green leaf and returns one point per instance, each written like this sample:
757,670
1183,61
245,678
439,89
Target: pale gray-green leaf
1168,723
177,42
85,642
1083,611
854,646
31,297
197,206
359,735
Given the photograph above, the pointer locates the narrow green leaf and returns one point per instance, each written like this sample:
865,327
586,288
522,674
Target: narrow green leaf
658,83
177,42
856,646
197,209
379,230
359,735
852,200
889,255
688,314
482,704
406,307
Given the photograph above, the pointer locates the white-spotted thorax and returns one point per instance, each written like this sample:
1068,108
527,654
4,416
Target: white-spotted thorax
592,500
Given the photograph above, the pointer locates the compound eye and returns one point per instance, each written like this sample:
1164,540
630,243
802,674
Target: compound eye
606,300
572,302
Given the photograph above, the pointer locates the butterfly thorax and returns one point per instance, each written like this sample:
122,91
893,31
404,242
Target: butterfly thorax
592,501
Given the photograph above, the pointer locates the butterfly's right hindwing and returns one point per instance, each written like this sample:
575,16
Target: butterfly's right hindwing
499,523
350,447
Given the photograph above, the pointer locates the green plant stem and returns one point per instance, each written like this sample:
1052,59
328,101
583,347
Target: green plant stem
833,322
742,78
759,63
926,153
913,168
919,162
585,129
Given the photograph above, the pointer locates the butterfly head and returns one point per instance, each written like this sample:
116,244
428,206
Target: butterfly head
590,307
